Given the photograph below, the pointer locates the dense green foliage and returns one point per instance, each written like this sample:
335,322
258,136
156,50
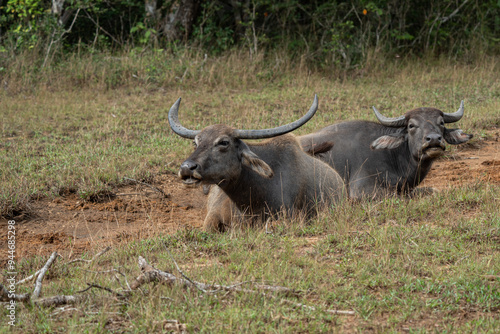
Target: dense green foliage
331,33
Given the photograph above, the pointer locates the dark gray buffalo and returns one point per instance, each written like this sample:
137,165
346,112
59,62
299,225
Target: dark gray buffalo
256,180
392,156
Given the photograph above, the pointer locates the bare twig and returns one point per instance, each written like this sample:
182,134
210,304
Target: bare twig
105,250
180,271
62,34
43,271
91,286
100,271
446,18
124,277
462,258
148,185
267,222
64,309
102,29
30,277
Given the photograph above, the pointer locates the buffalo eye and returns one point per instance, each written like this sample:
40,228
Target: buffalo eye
411,126
194,144
223,143
441,123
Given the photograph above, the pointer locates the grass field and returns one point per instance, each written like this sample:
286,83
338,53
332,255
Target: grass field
425,264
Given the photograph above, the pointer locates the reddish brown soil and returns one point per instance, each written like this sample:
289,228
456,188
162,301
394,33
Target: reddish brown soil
476,162
71,226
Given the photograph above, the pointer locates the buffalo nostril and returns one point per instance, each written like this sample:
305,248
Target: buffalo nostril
430,138
188,169
188,164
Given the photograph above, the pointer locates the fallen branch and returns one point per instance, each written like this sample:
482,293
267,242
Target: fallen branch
43,271
91,285
151,274
59,300
105,250
7,296
29,278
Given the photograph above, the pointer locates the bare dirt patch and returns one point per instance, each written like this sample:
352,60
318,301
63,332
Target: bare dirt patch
472,163
71,226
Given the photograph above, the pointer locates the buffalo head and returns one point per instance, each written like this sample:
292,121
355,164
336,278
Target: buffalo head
220,153
424,130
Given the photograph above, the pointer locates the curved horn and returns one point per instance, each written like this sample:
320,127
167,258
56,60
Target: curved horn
394,122
280,130
173,119
454,117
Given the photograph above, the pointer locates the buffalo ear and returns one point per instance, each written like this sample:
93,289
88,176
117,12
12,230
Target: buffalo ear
456,136
317,148
252,161
387,142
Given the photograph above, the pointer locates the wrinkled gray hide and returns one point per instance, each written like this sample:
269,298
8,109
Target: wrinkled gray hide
377,159
260,179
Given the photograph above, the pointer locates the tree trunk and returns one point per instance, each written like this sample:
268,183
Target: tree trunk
178,24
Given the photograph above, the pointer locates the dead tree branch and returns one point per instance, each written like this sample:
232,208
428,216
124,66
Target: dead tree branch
151,274
30,277
7,296
43,271
59,300
91,286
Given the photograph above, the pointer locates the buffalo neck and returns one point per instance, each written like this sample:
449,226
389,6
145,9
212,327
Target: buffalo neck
247,191
413,170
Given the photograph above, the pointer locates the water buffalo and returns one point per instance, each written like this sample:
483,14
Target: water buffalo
256,180
392,156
